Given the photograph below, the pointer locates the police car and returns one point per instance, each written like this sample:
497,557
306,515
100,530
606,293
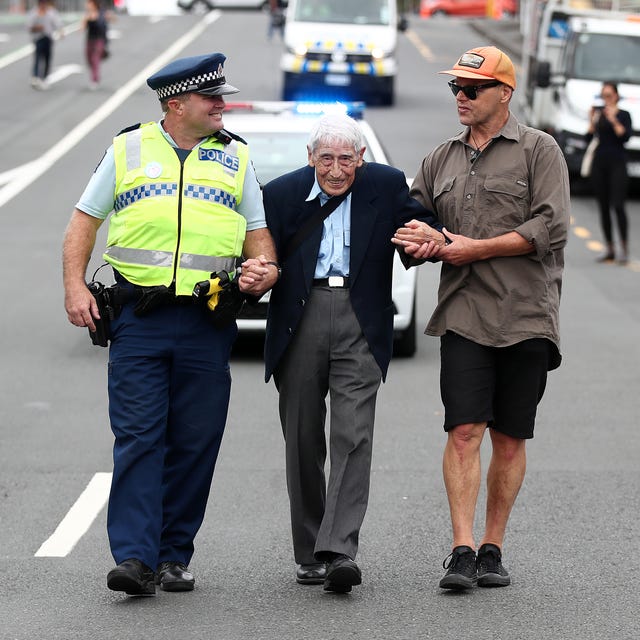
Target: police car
277,133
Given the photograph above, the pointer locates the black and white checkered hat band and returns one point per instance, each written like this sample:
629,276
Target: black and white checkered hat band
197,83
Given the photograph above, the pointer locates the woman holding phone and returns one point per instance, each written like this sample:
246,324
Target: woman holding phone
609,179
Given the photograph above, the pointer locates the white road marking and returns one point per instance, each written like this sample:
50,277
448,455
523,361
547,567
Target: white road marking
16,55
58,150
63,72
79,518
27,49
7,176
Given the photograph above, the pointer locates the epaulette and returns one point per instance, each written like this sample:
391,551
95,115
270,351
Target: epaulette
226,137
133,127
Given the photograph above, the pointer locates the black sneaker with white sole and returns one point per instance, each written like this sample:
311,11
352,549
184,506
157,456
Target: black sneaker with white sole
461,569
491,573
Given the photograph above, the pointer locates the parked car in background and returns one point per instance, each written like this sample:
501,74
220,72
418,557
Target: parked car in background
277,133
434,8
202,6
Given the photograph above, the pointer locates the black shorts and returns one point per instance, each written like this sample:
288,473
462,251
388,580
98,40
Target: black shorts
501,386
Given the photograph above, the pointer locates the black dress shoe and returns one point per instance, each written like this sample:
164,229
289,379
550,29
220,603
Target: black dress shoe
342,574
133,577
311,573
174,576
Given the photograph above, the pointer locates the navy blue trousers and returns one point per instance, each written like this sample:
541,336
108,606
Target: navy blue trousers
169,387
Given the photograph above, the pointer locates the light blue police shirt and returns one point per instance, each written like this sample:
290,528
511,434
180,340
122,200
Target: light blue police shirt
335,246
98,197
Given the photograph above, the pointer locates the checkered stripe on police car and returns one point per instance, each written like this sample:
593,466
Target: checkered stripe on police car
190,84
144,191
208,193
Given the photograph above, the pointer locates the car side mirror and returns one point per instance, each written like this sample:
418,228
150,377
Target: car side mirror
403,23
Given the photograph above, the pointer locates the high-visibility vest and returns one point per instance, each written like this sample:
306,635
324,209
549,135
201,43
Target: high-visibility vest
173,221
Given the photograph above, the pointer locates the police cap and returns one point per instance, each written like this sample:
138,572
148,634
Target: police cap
196,74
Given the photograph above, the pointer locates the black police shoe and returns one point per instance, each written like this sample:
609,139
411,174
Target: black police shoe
174,576
342,574
461,569
314,573
133,577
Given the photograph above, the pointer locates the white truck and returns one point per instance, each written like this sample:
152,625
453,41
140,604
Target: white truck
570,48
340,49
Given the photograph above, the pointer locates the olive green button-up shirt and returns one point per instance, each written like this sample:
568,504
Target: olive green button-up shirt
520,183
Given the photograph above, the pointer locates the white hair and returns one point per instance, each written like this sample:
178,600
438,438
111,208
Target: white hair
336,128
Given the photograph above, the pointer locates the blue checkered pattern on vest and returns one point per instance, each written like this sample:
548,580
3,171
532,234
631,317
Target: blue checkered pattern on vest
208,193
144,191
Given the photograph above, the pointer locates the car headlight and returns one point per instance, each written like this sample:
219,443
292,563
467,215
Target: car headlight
378,54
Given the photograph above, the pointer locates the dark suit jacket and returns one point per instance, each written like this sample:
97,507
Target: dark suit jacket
380,203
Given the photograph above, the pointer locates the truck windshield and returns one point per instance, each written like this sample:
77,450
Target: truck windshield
341,11
606,57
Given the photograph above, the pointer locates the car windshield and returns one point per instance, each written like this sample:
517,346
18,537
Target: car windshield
607,57
275,153
339,11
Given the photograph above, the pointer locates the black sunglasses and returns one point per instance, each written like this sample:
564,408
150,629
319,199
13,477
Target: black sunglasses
471,90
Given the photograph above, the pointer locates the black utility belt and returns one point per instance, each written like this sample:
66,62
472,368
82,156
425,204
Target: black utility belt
338,282
163,296
110,301
219,297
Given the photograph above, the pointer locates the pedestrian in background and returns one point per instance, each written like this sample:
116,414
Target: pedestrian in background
276,18
95,25
169,378
43,22
612,126
330,331
501,190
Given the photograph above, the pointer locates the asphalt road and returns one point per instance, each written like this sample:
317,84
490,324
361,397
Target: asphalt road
571,544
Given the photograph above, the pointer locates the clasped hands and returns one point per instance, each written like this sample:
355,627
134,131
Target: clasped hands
422,242
258,275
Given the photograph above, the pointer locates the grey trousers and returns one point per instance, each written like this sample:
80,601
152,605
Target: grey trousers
328,354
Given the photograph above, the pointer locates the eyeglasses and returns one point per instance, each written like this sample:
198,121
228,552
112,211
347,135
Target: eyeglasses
470,90
327,160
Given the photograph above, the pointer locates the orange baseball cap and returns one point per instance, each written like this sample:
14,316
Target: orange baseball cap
485,63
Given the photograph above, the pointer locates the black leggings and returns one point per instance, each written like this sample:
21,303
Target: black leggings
609,180
42,57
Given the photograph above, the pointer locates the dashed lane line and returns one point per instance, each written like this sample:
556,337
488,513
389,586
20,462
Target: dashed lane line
78,519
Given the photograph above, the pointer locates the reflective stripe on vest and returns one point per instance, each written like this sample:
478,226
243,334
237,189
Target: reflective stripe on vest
165,259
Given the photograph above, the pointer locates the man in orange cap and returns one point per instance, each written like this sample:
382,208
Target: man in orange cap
501,190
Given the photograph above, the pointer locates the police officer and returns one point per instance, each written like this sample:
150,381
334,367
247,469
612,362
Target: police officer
185,203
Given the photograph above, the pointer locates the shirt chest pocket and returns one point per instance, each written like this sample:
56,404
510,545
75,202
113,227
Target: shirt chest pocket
444,201
507,198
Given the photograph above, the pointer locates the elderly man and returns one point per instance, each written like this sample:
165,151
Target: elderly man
330,330
501,189
186,204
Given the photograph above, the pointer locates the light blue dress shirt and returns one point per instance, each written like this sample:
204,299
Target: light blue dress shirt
335,246
97,198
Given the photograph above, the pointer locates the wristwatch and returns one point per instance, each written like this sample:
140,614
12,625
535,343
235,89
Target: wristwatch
277,266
